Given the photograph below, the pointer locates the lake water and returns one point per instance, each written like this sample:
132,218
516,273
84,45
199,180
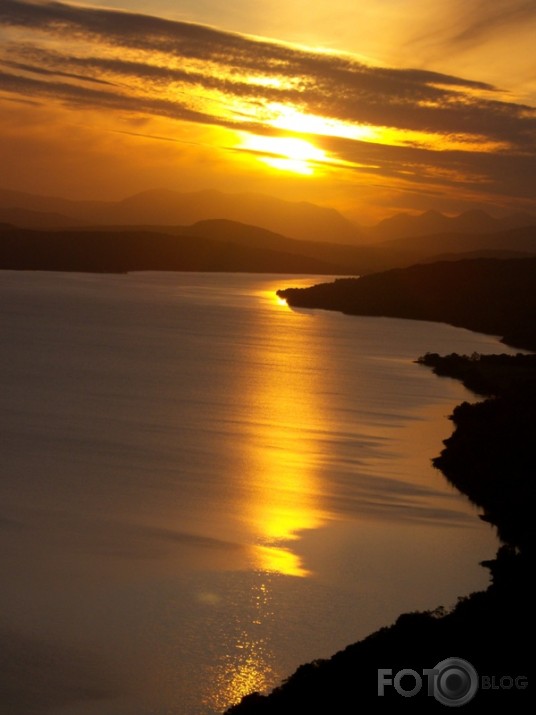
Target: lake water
202,489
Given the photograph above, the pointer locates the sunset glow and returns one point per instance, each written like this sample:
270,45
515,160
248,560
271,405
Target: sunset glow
241,246
291,119
142,97
285,153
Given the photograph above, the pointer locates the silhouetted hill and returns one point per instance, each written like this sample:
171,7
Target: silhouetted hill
484,253
433,222
515,239
487,295
300,220
196,247
118,252
295,219
26,218
343,258
267,223
29,249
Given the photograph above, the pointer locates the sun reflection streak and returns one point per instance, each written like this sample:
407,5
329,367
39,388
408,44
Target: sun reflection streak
249,666
283,495
281,492
279,559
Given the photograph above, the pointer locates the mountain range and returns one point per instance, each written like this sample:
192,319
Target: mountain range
299,220
433,222
154,231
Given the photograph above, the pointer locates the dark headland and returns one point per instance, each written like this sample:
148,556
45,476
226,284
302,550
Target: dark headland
490,458
488,295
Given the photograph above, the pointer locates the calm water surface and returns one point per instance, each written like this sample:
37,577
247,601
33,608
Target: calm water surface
202,489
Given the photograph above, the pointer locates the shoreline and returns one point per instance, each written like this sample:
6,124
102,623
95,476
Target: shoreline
490,629
487,295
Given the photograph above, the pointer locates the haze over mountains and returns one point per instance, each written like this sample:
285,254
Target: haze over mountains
433,222
211,230
299,220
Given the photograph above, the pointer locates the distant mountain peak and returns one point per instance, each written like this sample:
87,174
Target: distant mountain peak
158,207
472,221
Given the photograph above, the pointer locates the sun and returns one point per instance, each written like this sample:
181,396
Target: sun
285,153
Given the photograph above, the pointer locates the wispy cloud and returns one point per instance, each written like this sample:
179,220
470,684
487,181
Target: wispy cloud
104,59
475,21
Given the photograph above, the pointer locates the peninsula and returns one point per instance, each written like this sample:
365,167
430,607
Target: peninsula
488,295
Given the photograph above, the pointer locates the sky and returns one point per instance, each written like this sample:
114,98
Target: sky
370,107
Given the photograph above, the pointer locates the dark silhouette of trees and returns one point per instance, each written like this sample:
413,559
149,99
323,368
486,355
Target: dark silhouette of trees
487,295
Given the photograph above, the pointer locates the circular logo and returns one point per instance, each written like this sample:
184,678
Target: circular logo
456,682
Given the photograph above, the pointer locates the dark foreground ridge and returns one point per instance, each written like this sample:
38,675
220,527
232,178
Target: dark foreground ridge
490,458
487,295
227,245
123,251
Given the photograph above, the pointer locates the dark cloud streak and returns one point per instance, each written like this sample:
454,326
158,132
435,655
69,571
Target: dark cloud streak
204,75
353,93
34,69
89,98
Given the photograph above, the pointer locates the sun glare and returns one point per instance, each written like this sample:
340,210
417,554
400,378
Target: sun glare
285,153
291,119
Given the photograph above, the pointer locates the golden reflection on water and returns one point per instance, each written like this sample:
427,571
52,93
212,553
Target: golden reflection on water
279,559
283,491
249,664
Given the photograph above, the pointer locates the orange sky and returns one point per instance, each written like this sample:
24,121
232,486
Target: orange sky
392,106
